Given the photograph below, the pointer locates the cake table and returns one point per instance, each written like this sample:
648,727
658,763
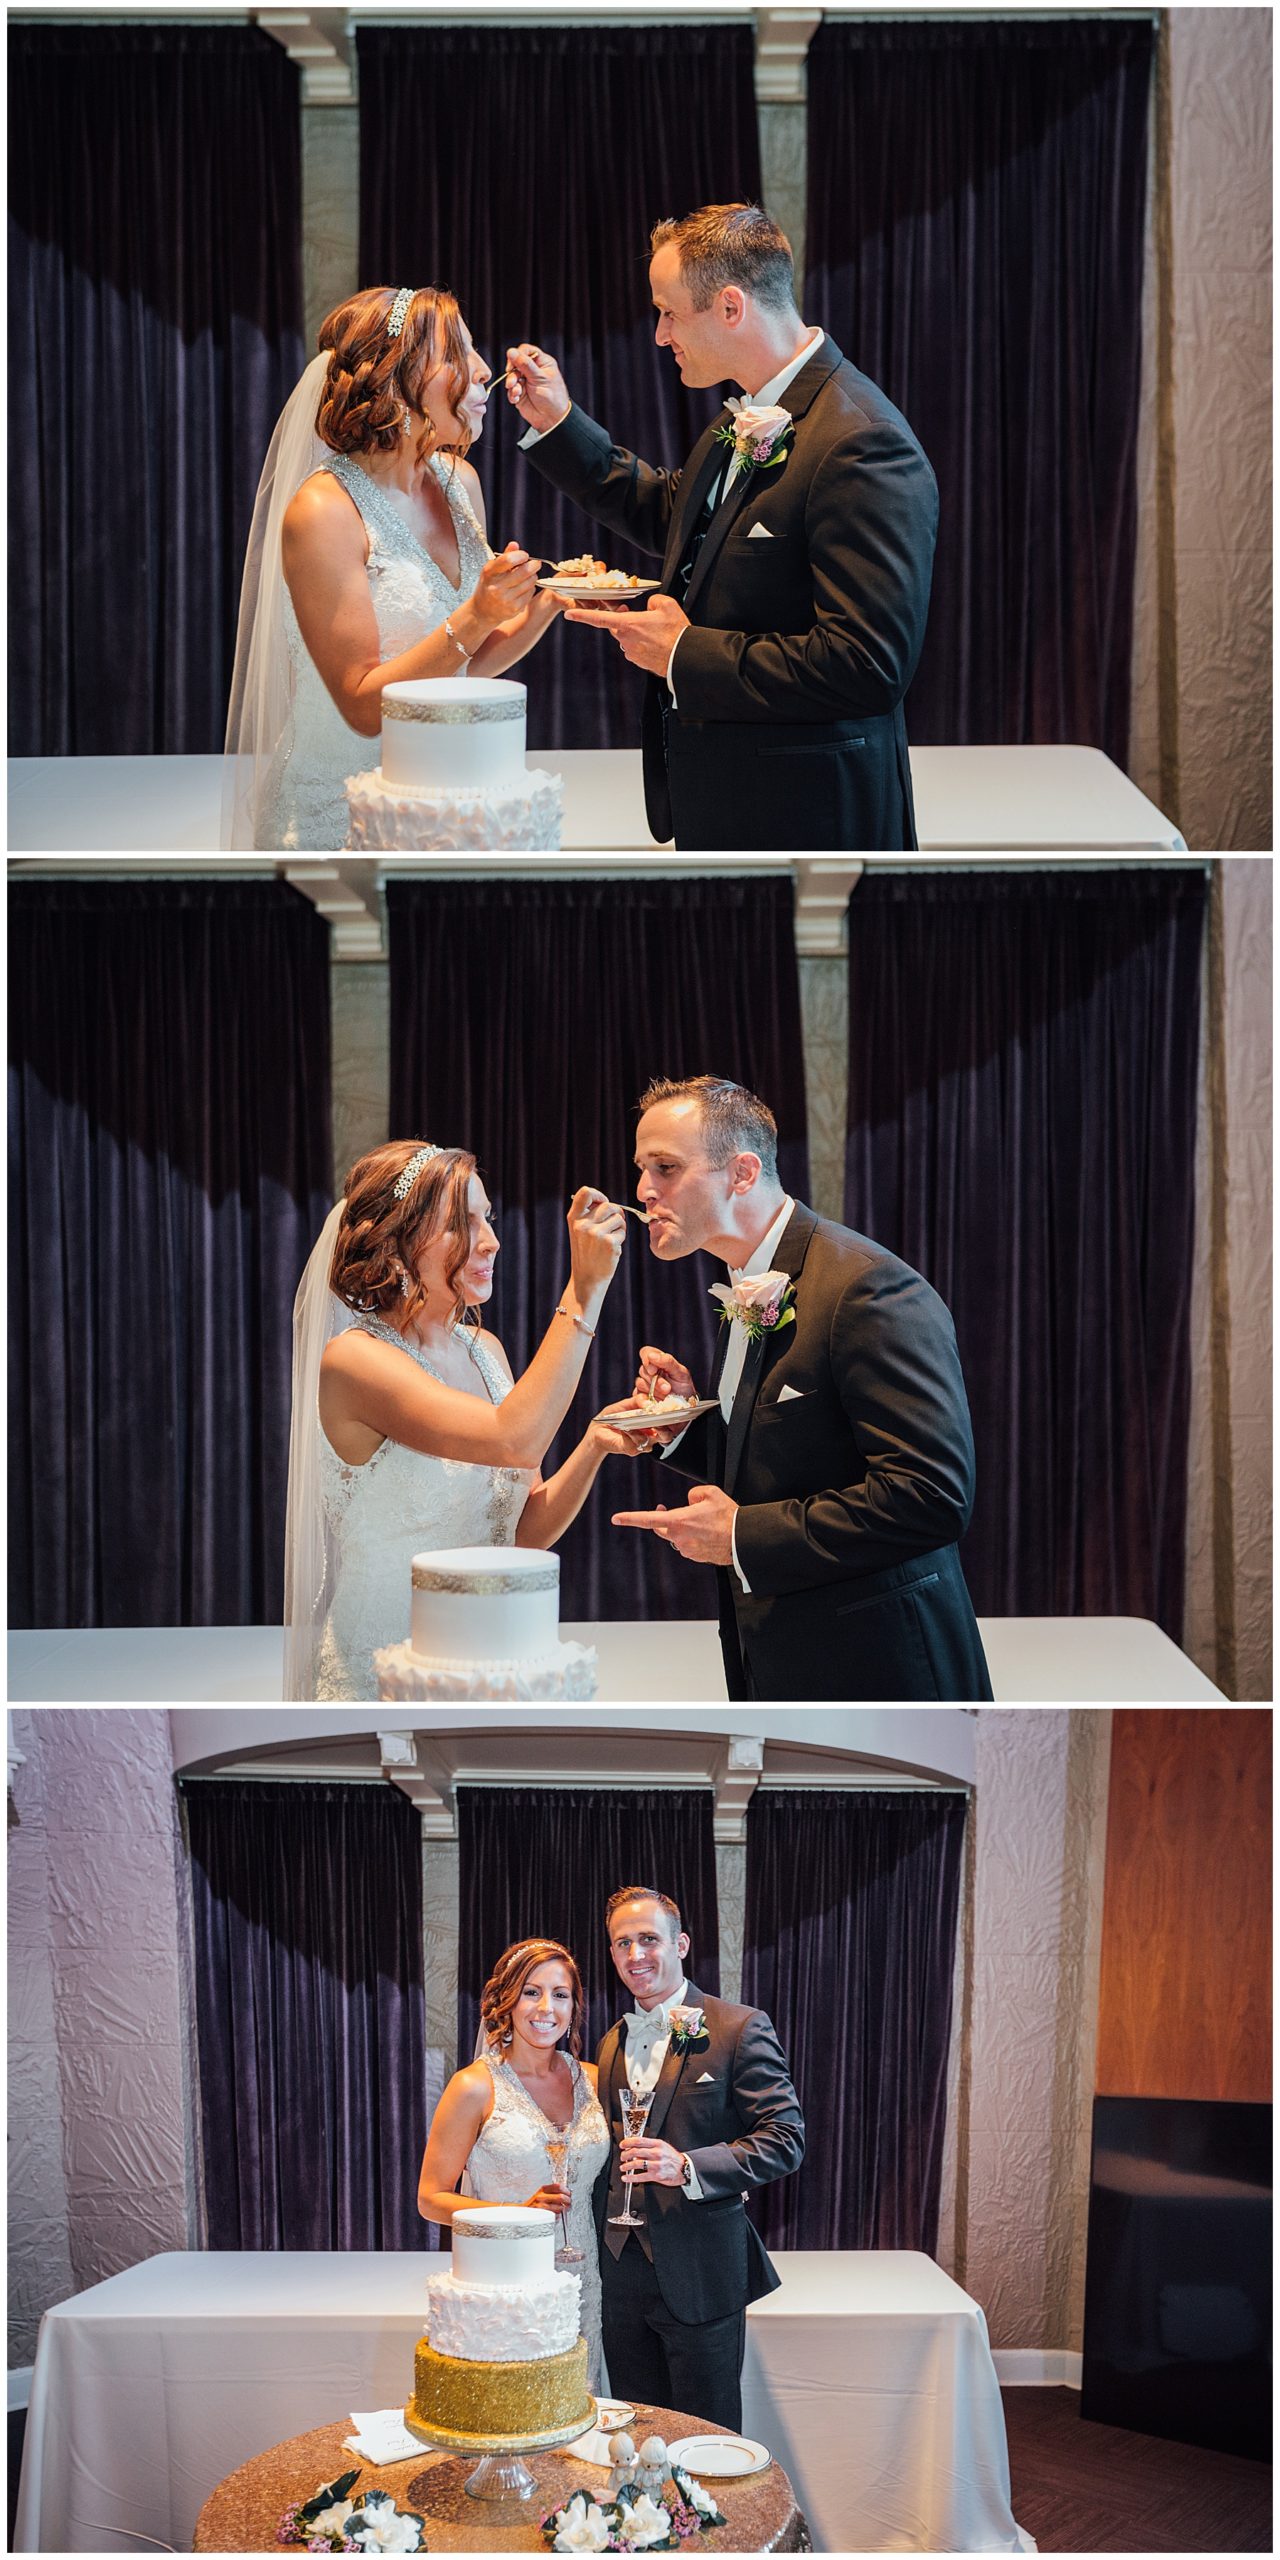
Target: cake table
244,2510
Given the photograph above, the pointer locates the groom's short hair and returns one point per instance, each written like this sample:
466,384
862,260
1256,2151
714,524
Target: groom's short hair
731,1120
643,1893
724,244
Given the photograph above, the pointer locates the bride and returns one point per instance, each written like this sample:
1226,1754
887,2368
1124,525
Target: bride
495,2119
368,563
409,1430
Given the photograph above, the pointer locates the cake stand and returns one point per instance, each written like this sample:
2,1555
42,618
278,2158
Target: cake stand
502,2476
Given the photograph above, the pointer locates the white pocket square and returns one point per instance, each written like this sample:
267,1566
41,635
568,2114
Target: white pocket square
705,2075
760,533
791,1395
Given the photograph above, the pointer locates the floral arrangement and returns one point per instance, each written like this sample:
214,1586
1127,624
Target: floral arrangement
635,2520
760,1306
759,439
688,2033
331,2521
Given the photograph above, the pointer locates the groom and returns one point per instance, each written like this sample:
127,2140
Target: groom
838,1469
797,553
724,2119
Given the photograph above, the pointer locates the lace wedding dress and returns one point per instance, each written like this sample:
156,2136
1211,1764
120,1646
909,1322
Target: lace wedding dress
306,805
385,1512
509,2161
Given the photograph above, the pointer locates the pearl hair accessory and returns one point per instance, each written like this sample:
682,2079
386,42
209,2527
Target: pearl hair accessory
399,310
405,1181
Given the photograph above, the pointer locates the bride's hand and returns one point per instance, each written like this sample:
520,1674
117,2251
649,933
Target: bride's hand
508,583
551,2199
628,1444
596,1233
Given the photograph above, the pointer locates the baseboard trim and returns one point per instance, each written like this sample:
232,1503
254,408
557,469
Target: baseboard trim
1025,2365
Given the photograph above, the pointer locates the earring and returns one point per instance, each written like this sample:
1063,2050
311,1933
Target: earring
407,422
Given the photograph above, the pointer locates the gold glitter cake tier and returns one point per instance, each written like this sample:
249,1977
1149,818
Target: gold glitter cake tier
482,2408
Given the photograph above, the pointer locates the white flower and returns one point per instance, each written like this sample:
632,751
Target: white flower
644,2525
379,2526
695,2496
583,2527
331,2519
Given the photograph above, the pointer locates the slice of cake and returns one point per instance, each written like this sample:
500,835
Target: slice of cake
453,776
502,2365
485,1623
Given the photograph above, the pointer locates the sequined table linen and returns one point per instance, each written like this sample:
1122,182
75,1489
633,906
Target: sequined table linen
245,2510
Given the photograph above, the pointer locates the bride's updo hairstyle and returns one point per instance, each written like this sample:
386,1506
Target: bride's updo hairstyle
500,1997
374,1267
372,376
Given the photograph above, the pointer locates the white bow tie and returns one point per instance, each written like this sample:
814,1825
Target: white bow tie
649,2023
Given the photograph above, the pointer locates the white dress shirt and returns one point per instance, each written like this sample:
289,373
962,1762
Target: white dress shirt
736,1351
648,2036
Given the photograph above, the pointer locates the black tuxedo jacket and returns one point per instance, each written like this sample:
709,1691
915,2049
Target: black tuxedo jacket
732,2108
808,600
850,1452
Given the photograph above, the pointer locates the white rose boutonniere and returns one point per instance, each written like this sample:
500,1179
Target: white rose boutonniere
688,2032
759,439
762,1305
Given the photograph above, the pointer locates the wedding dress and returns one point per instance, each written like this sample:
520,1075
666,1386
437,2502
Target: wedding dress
304,804
380,1515
509,2161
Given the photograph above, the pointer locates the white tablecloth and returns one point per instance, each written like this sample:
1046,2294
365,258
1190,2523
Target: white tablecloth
870,2376
1033,1661
968,799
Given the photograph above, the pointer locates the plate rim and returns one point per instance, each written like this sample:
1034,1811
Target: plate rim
675,2454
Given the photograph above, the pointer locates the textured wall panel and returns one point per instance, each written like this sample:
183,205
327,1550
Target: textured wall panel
1185,1995
1021,2137
1218,438
39,2238
1227,1625
330,212
360,994
118,1975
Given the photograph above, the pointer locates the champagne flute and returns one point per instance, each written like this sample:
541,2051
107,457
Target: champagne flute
556,2146
635,2115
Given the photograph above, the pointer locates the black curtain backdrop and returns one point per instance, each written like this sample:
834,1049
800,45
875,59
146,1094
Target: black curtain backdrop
541,1862
851,1903
524,167
169,1171
526,1019
310,2013
975,221
155,293
1022,1099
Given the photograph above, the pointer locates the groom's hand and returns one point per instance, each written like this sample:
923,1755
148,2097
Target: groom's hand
661,1374
651,2164
537,388
645,639
703,1532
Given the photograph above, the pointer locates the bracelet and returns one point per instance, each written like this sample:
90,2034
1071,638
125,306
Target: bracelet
466,655
580,1321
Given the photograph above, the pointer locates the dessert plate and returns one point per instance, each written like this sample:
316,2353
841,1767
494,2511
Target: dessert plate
590,590
720,2457
611,2417
660,1417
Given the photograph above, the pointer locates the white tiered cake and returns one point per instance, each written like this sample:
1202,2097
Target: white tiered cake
453,777
485,1623
502,2363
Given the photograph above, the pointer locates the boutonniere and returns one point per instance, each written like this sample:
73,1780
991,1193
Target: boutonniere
688,2032
760,1306
759,439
